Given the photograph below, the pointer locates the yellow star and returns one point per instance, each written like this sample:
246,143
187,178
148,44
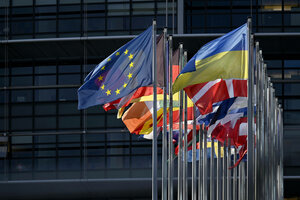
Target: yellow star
131,64
130,56
102,87
126,51
103,68
118,53
108,92
117,91
109,59
129,75
100,78
125,84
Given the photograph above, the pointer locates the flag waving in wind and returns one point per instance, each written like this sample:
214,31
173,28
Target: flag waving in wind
223,58
125,70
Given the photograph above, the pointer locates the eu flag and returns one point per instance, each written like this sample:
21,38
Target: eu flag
125,70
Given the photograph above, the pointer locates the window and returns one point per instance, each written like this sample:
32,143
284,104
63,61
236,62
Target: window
45,122
45,108
69,25
22,27
22,2
45,26
45,80
45,95
21,95
67,94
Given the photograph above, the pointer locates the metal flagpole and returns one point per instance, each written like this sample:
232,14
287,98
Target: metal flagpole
258,133
154,115
272,137
219,169
240,181
212,170
200,165
266,157
281,153
164,136
250,146
179,187
185,167
275,146
243,180
260,108
224,194
194,151
171,146
234,187
229,197
205,195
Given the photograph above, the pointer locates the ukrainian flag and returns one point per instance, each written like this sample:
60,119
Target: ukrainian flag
225,57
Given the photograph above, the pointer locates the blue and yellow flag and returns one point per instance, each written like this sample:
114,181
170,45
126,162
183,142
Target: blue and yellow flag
225,57
127,69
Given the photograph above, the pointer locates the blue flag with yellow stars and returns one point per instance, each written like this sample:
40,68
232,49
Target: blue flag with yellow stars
127,69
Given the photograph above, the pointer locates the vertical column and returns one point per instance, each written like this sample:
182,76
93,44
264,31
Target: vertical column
185,165
224,185
261,107
250,158
164,135
194,152
154,115
229,192
205,195
180,137
200,170
212,171
219,170
171,146
281,154
180,16
266,144
234,181
257,127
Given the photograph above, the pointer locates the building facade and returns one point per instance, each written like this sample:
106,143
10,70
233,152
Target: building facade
49,46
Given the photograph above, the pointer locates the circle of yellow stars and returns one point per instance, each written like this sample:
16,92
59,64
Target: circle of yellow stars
129,76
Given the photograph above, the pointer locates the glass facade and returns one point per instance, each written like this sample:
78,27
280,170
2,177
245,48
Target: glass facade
220,16
52,18
42,134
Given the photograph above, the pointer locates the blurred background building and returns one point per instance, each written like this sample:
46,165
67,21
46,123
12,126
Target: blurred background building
51,150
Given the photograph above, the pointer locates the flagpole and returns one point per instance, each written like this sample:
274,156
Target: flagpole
171,146
281,154
229,196
185,182
205,195
212,170
219,189
224,171
267,169
259,123
262,126
194,151
179,188
200,165
154,115
275,146
258,133
164,136
250,146
234,188
271,141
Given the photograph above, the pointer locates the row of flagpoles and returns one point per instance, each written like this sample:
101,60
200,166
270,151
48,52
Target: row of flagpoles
233,136
260,176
